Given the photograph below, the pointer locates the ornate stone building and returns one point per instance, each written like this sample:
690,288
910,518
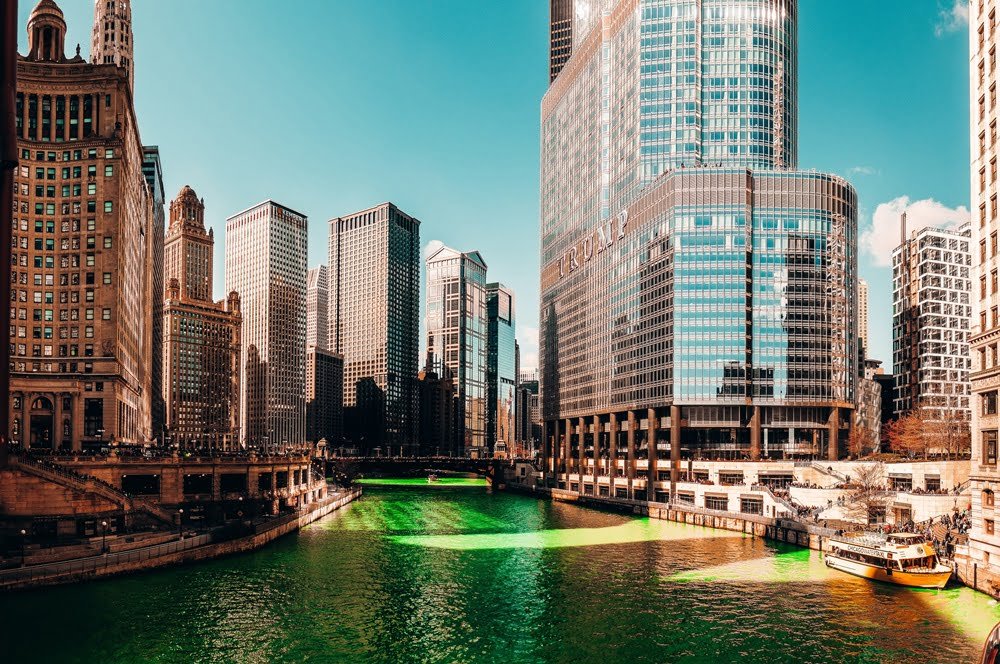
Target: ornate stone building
202,337
83,248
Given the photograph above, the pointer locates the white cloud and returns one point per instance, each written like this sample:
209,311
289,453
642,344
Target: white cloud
862,170
884,234
952,18
431,247
527,337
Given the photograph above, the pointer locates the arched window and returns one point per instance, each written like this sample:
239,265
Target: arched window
988,498
41,403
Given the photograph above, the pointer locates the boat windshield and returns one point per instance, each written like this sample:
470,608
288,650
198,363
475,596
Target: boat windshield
904,538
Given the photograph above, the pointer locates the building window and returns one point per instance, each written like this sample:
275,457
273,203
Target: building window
988,526
990,403
988,498
990,447
109,207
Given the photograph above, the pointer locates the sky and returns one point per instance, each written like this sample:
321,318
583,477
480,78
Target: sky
331,106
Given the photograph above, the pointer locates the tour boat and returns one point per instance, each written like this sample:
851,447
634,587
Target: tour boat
432,478
901,558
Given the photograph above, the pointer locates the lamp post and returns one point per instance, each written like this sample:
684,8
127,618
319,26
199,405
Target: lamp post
180,523
104,536
24,539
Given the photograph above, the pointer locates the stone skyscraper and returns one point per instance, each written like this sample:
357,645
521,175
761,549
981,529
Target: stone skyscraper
984,339
374,264
202,337
456,338
111,36
266,265
152,170
698,296
317,305
82,346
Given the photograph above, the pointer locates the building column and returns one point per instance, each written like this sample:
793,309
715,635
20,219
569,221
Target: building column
630,460
582,455
833,428
675,449
613,452
567,449
755,434
57,417
26,418
652,464
597,451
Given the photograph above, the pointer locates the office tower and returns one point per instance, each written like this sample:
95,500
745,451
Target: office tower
317,301
529,423
152,170
456,337
324,397
374,264
984,477
111,37
863,317
691,304
202,337
81,349
438,406
560,35
501,369
266,265
931,315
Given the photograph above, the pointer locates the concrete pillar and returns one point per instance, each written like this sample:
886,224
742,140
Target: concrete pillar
597,450
833,427
76,403
567,448
675,449
630,460
216,483
755,434
652,465
57,418
582,454
613,453
26,419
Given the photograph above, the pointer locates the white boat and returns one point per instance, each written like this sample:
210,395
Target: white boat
901,558
432,478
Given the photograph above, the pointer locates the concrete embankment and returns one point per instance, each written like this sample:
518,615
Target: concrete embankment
189,550
781,530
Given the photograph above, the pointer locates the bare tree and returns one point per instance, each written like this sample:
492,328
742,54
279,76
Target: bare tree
867,496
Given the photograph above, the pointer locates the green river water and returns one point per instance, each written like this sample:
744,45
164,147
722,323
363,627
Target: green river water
452,572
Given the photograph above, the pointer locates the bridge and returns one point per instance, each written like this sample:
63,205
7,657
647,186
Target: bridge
491,469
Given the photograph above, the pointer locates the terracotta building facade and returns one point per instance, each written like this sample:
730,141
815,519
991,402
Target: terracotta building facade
202,338
82,342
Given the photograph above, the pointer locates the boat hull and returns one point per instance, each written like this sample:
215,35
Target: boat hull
900,578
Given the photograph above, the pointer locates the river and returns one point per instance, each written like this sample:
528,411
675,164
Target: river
452,572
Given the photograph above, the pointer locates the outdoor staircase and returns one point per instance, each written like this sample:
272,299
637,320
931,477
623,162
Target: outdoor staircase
828,471
88,484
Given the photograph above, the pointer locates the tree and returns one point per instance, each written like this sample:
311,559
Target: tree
867,496
908,434
859,443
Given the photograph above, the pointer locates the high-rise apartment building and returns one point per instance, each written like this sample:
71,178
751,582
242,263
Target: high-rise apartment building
863,317
317,302
152,170
931,315
82,334
984,476
457,337
201,359
501,369
374,310
691,305
266,265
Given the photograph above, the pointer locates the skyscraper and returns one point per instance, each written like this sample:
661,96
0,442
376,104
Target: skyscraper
984,478
931,315
82,343
266,265
691,304
202,341
560,35
152,170
324,369
111,36
374,263
456,337
863,316
501,369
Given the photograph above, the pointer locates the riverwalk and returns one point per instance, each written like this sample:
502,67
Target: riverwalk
205,546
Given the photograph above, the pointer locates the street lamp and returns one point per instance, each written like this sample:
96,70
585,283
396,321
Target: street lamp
24,539
180,523
104,536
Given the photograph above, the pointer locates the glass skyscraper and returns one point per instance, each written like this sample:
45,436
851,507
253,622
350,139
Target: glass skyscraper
456,337
501,369
698,294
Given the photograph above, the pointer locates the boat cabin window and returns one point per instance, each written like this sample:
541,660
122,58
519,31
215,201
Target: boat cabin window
904,539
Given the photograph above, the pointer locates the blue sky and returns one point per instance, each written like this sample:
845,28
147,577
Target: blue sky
330,106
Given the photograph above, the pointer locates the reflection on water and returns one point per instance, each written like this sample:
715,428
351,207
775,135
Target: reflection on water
416,573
